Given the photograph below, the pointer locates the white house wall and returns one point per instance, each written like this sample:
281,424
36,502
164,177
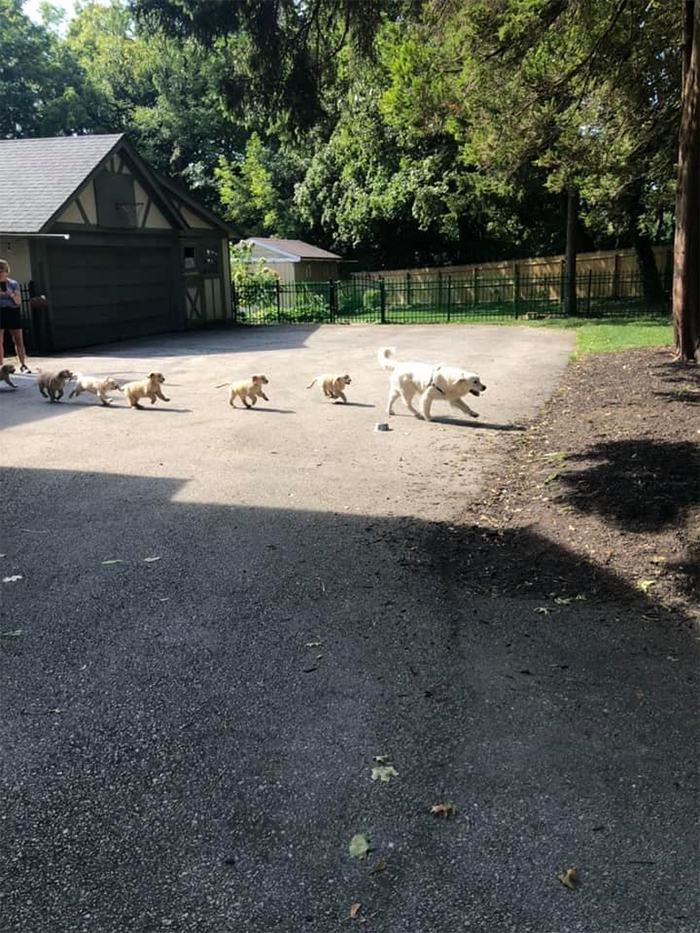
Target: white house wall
16,252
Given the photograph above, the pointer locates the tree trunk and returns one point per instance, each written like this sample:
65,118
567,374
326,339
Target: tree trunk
652,288
686,249
570,268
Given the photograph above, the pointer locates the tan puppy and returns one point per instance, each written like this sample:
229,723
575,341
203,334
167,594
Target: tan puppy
149,388
332,386
51,384
6,371
247,389
98,387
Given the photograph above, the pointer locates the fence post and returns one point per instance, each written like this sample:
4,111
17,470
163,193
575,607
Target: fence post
516,289
439,294
382,301
277,297
449,298
234,301
562,284
589,289
332,300
476,286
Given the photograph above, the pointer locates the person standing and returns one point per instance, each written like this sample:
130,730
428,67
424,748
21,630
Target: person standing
10,315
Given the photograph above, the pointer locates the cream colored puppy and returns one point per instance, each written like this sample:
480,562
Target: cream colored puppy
98,387
332,386
51,384
246,389
6,371
149,388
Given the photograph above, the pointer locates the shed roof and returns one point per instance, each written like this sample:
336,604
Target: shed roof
295,248
38,176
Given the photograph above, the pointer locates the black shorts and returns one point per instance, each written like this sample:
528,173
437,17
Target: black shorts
10,319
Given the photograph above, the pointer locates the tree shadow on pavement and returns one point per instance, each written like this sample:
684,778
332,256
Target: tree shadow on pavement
188,735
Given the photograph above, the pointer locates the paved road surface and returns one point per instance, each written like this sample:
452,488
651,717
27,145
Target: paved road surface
187,742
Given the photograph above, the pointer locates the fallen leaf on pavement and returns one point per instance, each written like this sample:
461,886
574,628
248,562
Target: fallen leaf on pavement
354,910
313,644
384,773
380,866
543,610
381,759
658,559
645,585
15,634
115,561
150,560
445,810
13,579
563,600
359,846
569,878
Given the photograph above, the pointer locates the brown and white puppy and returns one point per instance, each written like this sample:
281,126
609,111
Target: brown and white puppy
98,387
431,383
148,388
332,386
51,384
247,389
6,371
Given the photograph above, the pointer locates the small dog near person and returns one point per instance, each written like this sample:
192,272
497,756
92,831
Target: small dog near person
51,384
148,388
246,389
98,387
332,386
430,383
6,371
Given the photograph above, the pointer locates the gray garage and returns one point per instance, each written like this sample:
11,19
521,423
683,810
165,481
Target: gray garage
104,248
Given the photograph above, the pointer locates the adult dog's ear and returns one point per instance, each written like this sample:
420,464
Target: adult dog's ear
153,375
255,380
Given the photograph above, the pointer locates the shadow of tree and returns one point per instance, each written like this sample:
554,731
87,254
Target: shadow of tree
639,485
182,734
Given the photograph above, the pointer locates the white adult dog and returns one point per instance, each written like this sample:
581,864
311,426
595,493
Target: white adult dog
431,383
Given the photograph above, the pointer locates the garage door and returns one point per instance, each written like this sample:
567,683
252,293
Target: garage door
111,291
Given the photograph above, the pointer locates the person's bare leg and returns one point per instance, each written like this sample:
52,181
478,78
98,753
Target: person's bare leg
18,340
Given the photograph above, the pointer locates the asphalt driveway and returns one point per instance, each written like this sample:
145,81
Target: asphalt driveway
223,617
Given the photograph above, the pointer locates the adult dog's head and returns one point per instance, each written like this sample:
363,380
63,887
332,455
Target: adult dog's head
156,378
259,380
470,383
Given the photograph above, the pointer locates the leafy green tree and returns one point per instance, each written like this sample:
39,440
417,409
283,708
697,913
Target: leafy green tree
42,88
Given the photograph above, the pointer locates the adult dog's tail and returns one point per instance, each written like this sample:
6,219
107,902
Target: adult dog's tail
384,358
312,383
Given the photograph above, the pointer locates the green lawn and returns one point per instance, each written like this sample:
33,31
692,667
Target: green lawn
612,336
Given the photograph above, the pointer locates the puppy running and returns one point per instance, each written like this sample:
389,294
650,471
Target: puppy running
431,383
51,384
246,389
98,387
148,388
6,371
332,386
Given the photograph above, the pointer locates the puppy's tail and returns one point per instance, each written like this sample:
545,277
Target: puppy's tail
221,385
384,357
312,383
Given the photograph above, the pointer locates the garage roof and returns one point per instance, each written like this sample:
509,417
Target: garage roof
38,176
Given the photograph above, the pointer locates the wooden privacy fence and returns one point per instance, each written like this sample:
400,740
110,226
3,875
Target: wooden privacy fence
604,262
447,298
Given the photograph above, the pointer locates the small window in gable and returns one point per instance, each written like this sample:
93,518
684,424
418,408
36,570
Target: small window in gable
189,257
116,203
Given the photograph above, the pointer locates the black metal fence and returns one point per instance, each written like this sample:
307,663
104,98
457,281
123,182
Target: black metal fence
447,299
